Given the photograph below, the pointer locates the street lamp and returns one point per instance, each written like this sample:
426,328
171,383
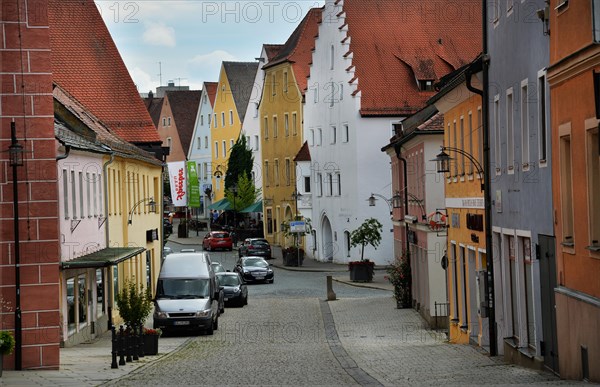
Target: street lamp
151,204
393,202
15,153
296,195
443,159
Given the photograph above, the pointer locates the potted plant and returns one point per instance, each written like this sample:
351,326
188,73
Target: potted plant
7,346
399,276
369,233
134,303
150,337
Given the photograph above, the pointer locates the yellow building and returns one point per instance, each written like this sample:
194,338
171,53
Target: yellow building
281,125
234,92
466,249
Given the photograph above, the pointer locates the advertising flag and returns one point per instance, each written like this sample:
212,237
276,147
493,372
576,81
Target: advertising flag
178,179
193,185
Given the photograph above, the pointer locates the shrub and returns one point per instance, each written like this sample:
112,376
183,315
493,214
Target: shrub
7,342
399,276
134,303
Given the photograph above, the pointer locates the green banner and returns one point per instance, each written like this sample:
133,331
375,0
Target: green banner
193,186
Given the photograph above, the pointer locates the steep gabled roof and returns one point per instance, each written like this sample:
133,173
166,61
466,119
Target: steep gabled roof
73,115
154,107
395,43
299,47
241,78
303,154
86,62
211,91
272,50
184,105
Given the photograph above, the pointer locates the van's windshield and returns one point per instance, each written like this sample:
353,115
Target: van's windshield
182,288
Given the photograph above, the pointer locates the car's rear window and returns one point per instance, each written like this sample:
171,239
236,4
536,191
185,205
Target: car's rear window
260,242
221,235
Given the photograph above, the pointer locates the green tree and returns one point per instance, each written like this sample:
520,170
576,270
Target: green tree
240,162
246,193
369,233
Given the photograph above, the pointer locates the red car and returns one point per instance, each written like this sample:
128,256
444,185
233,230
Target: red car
217,240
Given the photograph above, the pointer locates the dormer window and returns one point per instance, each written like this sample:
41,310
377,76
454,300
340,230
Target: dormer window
425,84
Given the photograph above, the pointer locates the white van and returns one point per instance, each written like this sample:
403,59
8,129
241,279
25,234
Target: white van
187,295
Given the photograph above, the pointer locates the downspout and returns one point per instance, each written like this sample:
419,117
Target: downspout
110,288
66,154
405,189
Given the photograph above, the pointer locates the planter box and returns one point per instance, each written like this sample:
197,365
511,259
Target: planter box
150,344
361,273
291,259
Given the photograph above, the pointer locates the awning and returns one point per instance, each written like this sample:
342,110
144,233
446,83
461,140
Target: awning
222,204
102,258
255,207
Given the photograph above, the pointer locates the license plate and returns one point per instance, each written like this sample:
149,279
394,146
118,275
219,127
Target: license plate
260,277
226,299
181,323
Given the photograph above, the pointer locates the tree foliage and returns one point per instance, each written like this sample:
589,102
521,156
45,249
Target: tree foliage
134,303
240,162
246,193
369,233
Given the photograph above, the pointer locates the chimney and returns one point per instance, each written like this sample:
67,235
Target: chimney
171,84
150,95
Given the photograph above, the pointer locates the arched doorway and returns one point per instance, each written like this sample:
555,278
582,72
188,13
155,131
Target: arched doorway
327,238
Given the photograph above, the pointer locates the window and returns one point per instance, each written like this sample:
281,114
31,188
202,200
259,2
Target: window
286,124
224,149
88,190
222,119
347,242
455,144
206,176
331,56
205,142
524,125
266,127
285,81
201,120
319,184
267,177
307,184
319,136
514,295
463,312
498,147
65,178
74,195
470,123
209,119
333,134
231,117
100,292
341,91
294,124
509,6
566,189
82,299
256,142
273,85
425,84
288,172
216,149
495,11
164,121
274,126
215,120
71,303
346,133
510,140
168,121
329,191
542,124
269,221
311,138
230,144
316,95
276,172
454,282
462,144
593,164
255,110
95,179
338,179
332,99
199,143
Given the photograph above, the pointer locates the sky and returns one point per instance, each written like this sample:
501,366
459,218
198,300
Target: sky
186,40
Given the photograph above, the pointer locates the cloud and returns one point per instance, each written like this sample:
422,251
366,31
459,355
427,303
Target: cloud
211,59
142,80
158,34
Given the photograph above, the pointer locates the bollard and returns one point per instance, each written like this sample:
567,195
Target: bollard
115,344
121,346
128,348
141,342
135,345
330,292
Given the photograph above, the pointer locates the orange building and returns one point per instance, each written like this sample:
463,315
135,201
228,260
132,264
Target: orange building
575,60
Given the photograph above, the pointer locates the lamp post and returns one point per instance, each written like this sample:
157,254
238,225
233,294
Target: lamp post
443,166
15,152
151,204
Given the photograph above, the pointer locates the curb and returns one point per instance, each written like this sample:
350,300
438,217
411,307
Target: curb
361,284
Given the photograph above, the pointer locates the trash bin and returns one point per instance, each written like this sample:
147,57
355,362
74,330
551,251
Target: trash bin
182,230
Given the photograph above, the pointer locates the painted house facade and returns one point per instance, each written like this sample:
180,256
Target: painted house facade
234,91
281,125
521,185
574,64
361,81
200,148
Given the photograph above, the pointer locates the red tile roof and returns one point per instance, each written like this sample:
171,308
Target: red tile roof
271,50
86,63
184,106
211,91
299,47
154,106
396,42
304,153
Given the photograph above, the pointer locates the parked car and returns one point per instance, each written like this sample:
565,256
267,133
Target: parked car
254,269
217,240
257,247
234,288
217,267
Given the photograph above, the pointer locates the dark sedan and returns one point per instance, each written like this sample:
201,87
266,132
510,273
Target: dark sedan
256,247
234,288
254,269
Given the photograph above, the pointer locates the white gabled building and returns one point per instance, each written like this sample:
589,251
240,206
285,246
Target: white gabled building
200,149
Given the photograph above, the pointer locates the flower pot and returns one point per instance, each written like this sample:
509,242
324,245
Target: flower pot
402,304
150,344
361,272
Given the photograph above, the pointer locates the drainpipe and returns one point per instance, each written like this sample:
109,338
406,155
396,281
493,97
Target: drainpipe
405,189
487,198
65,155
105,191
